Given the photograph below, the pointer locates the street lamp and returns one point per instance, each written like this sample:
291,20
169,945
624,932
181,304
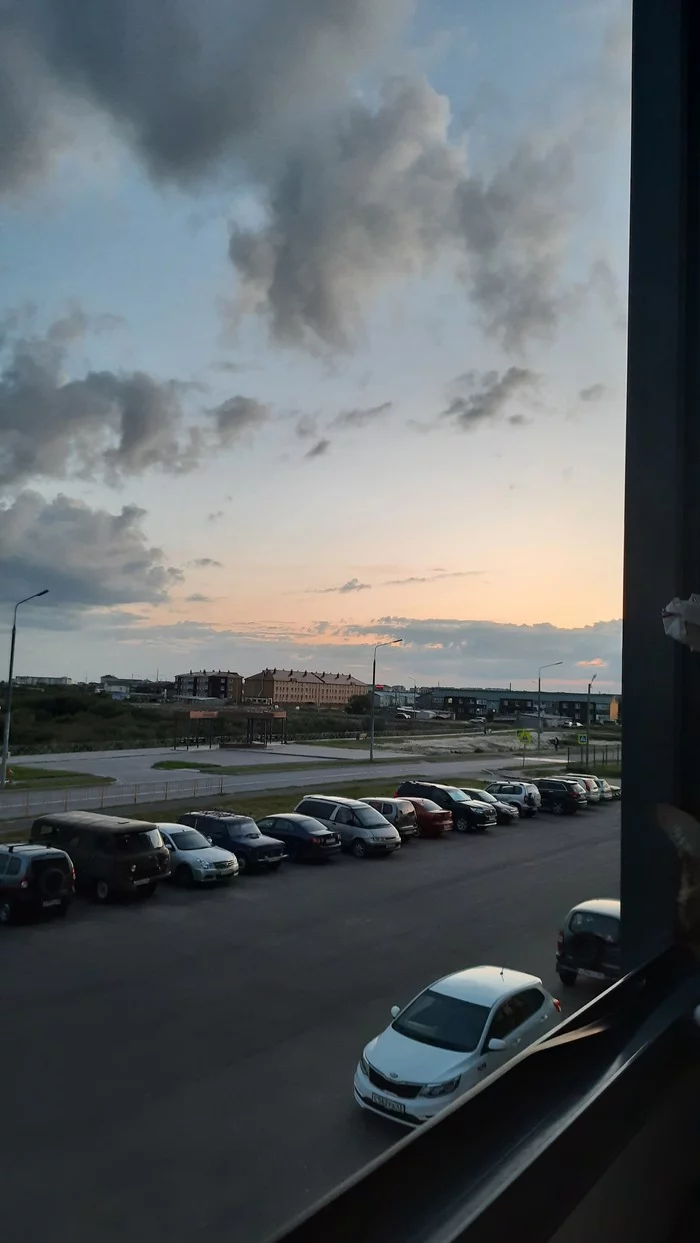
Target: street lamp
588,714
551,665
8,689
386,643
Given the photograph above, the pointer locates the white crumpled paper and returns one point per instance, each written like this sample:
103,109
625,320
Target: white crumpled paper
681,620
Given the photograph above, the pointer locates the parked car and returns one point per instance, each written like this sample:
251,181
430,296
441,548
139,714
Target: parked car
398,811
561,796
590,785
522,794
362,830
449,1038
34,880
506,813
193,859
112,856
431,820
467,816
254,851
616,791
303,837
588,944
606,793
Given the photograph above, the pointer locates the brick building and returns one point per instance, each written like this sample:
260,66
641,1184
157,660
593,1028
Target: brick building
299,686
209,684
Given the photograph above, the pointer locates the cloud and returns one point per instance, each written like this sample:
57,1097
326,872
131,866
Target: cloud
319,449
519,420
361,417
186,86
197,598
595,392
86,557
353,584
484,398
596,663
216,516
205,563
101,424
432,578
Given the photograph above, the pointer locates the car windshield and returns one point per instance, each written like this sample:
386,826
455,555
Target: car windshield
137,842
189,839
428,805
309,825
446,1022
482,796
458,796
597,925
369,818
245,829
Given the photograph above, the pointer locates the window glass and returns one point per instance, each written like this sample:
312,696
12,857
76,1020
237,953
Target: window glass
508,1016
3,864
598,925
14,865
343,816
446,1022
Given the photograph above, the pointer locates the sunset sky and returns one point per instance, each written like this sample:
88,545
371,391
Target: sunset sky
312,333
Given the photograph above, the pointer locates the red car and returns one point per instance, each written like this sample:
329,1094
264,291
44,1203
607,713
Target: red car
432,820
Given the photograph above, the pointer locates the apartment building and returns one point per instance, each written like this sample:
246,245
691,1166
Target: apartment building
30,680
299,686
209,684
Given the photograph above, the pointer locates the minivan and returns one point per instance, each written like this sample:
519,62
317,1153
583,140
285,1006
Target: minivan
111,855
362,830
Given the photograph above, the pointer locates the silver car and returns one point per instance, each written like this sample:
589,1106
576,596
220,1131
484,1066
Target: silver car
193,859
362,830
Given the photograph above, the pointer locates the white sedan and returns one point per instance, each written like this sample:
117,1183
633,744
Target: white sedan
449,1038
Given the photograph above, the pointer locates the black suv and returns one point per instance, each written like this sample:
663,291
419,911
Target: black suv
468,816
240,834
561,796
34,879
589,942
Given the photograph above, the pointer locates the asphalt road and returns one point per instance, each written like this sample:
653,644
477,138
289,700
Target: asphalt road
182,1069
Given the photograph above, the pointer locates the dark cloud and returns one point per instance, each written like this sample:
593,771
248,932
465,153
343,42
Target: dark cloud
205,563
519,420
353,584
86,557
484,398
433,578
104,423
186,85
319,449
197,598
307,427
361,417
595,392
216,516
237,415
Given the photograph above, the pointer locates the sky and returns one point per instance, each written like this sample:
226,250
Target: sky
312,335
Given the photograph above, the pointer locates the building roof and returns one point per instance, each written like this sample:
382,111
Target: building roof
484,985
305,675
209,673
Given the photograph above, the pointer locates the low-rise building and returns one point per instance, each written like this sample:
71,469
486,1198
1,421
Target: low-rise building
32,680
300,686
469,702
209,684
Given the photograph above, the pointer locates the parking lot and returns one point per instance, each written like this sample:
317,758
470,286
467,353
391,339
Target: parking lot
183,1068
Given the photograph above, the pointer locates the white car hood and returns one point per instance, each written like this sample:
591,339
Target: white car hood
212,854
399,1057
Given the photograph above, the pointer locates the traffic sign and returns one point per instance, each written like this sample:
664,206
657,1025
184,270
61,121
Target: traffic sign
582,739
525,736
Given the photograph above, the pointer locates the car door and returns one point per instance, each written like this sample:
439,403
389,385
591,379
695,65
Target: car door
505,1025
343,822
219,833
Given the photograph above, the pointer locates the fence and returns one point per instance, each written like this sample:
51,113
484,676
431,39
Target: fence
22,804
595,755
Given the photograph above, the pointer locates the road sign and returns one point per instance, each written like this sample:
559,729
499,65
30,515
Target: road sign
582,739
525,736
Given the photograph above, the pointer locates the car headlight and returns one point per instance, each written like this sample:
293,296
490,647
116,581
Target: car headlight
364,1065
441,1089
202,863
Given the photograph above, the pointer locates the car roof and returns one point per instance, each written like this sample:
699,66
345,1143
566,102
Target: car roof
602,906
215,815
432,785
94,821
385,798
288,815
30,848
484,985
578,776
335,798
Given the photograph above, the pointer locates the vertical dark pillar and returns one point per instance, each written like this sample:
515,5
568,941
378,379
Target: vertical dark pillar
661,679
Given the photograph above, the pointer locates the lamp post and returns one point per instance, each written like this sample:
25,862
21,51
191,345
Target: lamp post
386,643
588,714
8,689
551,665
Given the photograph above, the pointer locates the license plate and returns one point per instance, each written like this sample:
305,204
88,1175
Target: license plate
591,975
394,1107
145,881
52,902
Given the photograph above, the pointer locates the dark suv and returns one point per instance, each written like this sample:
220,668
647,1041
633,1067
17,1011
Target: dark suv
468,816
34,879
254,850
560,796
589,942
111,855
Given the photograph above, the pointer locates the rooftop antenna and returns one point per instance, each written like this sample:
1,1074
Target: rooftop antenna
501,972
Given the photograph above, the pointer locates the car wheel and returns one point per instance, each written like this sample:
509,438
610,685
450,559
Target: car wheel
417,832
101,891
5,912
558,807
568,978
183,875
242,864
462,824
358,848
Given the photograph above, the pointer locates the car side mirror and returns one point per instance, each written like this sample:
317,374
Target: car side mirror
211,841
395,1011
496,1046
169,846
